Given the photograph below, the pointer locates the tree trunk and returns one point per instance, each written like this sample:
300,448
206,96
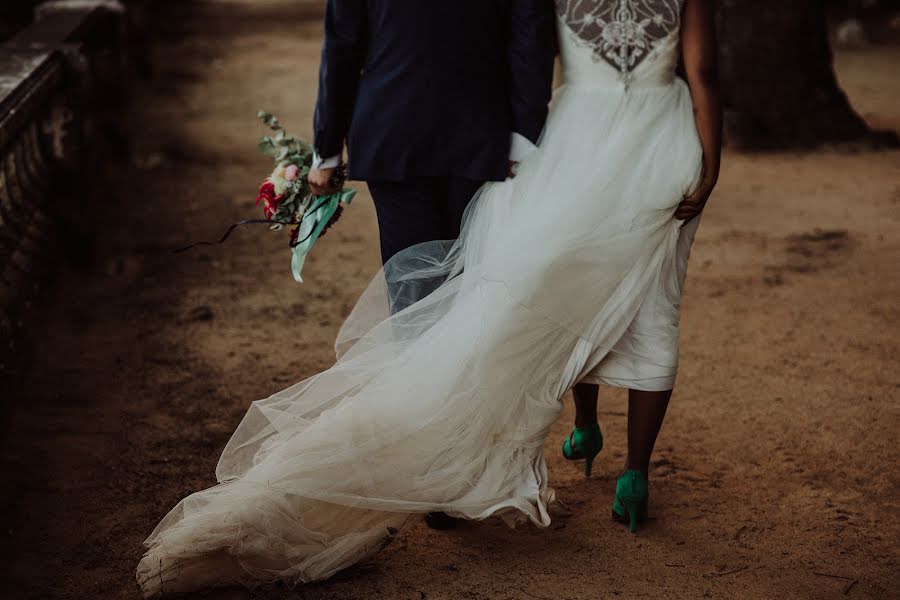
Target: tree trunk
778,80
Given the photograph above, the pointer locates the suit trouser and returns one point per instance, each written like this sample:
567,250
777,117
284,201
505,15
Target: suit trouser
418,210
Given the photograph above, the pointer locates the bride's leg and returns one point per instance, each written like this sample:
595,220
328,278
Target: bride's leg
585,395
646,412
586,440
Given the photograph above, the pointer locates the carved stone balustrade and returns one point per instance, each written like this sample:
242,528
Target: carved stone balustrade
55,76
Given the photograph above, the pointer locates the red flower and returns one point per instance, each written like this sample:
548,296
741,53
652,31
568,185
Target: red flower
269,199
266,192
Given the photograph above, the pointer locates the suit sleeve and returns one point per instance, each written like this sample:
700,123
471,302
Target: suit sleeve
343,57
532,51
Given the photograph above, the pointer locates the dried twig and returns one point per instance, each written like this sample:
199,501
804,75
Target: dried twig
732,572
851,580
533,595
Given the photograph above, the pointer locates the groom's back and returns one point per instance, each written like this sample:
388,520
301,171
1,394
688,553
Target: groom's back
434,97
427,34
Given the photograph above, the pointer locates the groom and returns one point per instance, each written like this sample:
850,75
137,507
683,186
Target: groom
433,99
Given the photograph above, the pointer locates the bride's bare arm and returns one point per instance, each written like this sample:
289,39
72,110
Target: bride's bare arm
700,51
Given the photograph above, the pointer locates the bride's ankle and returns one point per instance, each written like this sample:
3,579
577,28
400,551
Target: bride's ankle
643,469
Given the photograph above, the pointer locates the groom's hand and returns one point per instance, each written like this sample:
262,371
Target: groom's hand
322,181
513,166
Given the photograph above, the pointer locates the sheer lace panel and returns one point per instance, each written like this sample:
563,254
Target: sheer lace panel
621,32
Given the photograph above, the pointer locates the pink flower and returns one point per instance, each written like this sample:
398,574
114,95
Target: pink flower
291,172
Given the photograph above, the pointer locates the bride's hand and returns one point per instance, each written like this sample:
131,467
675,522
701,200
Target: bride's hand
691,206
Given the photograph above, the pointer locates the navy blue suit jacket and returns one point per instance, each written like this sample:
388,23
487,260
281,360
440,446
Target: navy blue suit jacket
420,88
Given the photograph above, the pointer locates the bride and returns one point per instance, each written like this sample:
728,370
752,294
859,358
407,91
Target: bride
571,272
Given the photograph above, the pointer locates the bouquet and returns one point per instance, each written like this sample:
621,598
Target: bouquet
286,197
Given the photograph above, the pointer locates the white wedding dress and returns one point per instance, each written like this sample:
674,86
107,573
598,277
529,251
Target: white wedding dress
573,269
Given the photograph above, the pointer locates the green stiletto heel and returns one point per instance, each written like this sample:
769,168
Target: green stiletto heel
584,443
632,494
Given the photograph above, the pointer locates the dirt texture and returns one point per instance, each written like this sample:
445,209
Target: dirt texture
776,474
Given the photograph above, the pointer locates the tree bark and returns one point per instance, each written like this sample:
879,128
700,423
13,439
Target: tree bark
778,82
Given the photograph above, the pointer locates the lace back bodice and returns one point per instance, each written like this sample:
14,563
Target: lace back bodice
639,39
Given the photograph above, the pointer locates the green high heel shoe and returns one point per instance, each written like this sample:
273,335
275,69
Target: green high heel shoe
584,443
632,494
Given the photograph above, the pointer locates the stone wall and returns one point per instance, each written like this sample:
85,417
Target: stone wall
56,78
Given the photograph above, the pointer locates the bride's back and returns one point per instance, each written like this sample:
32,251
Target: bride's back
619,42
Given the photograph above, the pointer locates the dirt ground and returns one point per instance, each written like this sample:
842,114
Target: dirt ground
776,474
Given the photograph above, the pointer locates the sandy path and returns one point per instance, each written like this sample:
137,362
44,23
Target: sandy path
776,472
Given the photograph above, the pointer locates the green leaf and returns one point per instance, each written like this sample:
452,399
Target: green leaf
346,195
267,147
